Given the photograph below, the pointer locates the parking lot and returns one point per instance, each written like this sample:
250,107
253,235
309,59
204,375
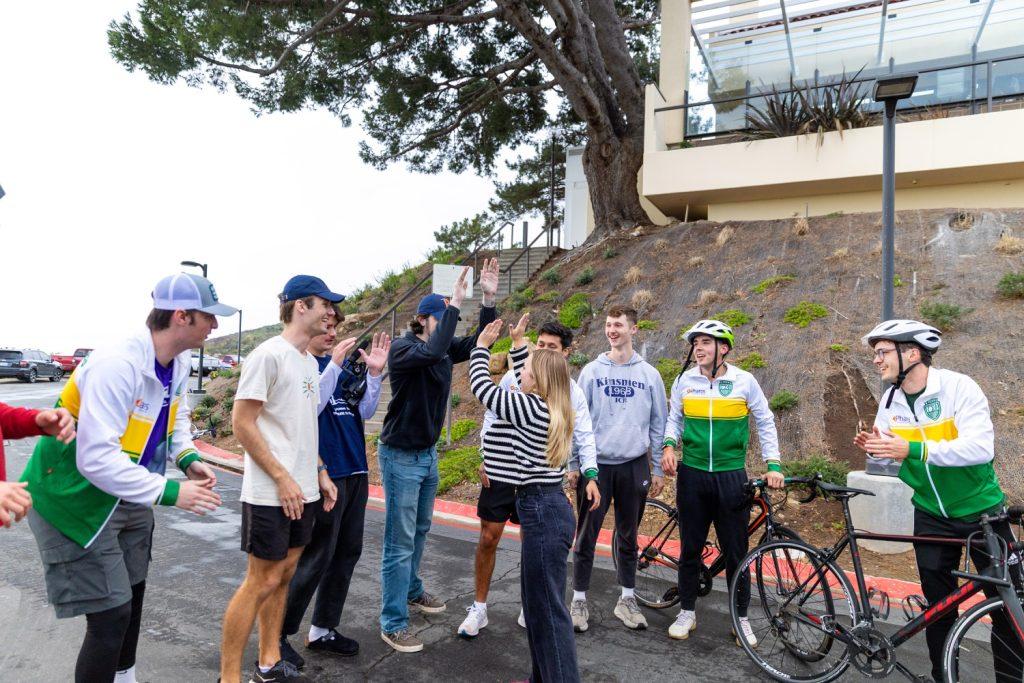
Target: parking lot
197,565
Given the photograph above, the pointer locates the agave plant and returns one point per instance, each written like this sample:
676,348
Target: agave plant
783,114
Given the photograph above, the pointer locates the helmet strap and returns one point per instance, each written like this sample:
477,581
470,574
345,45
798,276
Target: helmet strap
718,366
903,372
689,360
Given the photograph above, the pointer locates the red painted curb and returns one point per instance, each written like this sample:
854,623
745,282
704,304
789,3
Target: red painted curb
210,449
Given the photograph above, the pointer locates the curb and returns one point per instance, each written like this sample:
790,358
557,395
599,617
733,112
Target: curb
464,516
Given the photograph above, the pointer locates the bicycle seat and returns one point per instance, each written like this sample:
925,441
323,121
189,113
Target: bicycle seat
842,491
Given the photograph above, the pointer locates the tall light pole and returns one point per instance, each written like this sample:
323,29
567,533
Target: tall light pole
238,356
196,264
889,90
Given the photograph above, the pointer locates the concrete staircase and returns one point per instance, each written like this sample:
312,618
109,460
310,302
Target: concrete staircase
521,272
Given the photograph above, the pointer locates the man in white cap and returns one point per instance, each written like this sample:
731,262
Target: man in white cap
93,497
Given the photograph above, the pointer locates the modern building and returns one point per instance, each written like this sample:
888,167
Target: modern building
959,144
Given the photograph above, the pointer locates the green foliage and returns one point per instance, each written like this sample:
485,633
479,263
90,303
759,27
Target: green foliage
834,106
208,401
832,471
456,466
804,313
668,368
610,252
520,299
504,345
455,400
459,239
897,281
228,404
551,276
578,359
752,361
575,309
460,429
214,420
585,277
942,315
783,400
733,317
389,282
841,348
548,297
1011,285
766,284
200,413
834,214
647,324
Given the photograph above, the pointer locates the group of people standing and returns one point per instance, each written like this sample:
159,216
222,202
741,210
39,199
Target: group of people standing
299,414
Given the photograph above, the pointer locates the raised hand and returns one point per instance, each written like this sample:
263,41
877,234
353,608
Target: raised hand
489,280
518,333
489,334
342,350
378,355
461,288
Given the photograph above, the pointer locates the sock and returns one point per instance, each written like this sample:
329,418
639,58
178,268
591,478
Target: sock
265,669
125,676
316,633
480,606
579,595
627,593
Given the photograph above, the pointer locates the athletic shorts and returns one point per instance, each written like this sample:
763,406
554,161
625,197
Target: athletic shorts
497,503
94,579
268,534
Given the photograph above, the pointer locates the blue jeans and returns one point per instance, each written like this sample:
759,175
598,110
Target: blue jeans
410,483
546,527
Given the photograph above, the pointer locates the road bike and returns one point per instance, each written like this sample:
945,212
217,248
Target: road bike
658,546
811,625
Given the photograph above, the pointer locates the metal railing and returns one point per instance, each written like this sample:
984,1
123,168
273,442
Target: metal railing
919,103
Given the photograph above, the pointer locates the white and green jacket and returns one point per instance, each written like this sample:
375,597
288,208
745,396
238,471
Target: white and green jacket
115,397
952,446
710,420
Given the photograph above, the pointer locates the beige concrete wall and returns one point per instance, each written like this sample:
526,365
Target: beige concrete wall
674,64
982,148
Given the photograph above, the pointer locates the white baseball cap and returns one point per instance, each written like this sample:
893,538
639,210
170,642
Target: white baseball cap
188,292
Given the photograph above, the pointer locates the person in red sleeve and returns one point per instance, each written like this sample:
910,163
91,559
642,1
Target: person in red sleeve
17,423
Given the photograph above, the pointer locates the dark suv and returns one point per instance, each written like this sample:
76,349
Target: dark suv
28,365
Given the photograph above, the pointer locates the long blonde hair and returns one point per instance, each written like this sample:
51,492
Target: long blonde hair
551,380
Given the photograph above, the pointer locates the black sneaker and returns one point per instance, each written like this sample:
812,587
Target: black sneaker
334,643
282,672
289,654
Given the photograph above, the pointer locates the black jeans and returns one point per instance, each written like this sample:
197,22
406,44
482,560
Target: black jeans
627,484
704,498
546,528
327,563
935,564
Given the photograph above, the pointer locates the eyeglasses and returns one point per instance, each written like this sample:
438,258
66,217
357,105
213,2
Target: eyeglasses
880,353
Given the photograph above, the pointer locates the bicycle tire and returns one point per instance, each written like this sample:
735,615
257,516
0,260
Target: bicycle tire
778,620
656,571
783,533
981,662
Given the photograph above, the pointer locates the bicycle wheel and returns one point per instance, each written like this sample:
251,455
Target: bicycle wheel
978,650
781,533
657,556
794,601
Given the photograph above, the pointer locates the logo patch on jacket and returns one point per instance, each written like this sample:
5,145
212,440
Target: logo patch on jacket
725,387
932,408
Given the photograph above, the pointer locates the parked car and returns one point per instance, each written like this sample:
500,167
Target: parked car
210,363
69,363
230,360
29,365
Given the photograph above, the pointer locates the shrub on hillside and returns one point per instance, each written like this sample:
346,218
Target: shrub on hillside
752,361
641,300
551,276
668,368
575,309
457,466
724,235
520,299
208,401
647,325
804,313
610,252
769,282
707,296
839,348
578,359
1009,245
783,400
548,297
944,316
733,317
1011,285
695,261
460,429
633,275
585,277
455,400
831,471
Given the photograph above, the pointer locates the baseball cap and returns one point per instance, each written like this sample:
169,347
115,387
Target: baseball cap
188,292
432,304
301,286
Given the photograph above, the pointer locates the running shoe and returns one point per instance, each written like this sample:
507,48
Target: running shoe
334,644
580,614
476,619
629,613
402,641
428,604
282,672
748,633
684,624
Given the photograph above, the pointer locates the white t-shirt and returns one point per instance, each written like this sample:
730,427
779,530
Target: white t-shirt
287,382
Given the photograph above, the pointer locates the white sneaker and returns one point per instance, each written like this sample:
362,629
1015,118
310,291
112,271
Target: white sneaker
580,614
475,620
522,618
683,625
748,633
629,613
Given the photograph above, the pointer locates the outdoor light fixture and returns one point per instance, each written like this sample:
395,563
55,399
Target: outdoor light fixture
895,87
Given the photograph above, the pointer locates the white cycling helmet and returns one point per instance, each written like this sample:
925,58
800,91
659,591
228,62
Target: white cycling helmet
905,332
712,328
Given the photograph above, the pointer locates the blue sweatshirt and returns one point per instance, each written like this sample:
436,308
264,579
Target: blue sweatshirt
342,443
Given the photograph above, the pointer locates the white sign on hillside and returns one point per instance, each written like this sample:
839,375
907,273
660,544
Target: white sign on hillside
445,277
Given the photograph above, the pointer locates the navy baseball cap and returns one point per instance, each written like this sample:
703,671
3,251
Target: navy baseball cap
301,286
432,304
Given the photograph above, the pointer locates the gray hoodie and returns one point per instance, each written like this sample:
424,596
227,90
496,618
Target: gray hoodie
628,409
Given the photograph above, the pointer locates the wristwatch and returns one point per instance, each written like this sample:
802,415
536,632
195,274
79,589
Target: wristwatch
321,468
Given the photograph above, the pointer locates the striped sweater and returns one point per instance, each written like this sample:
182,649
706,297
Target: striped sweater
515,445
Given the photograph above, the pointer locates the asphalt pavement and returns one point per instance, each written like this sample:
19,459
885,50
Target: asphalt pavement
197,565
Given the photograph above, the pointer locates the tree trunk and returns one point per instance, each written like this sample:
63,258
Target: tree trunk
612,165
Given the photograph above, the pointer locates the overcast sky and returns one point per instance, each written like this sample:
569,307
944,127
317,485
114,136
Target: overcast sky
112,180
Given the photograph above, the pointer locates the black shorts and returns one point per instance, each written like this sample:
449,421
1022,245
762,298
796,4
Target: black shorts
268,534
497,503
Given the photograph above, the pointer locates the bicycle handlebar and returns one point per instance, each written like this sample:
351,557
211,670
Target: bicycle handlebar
761,484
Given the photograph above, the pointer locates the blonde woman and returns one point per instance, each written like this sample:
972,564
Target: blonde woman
534,426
